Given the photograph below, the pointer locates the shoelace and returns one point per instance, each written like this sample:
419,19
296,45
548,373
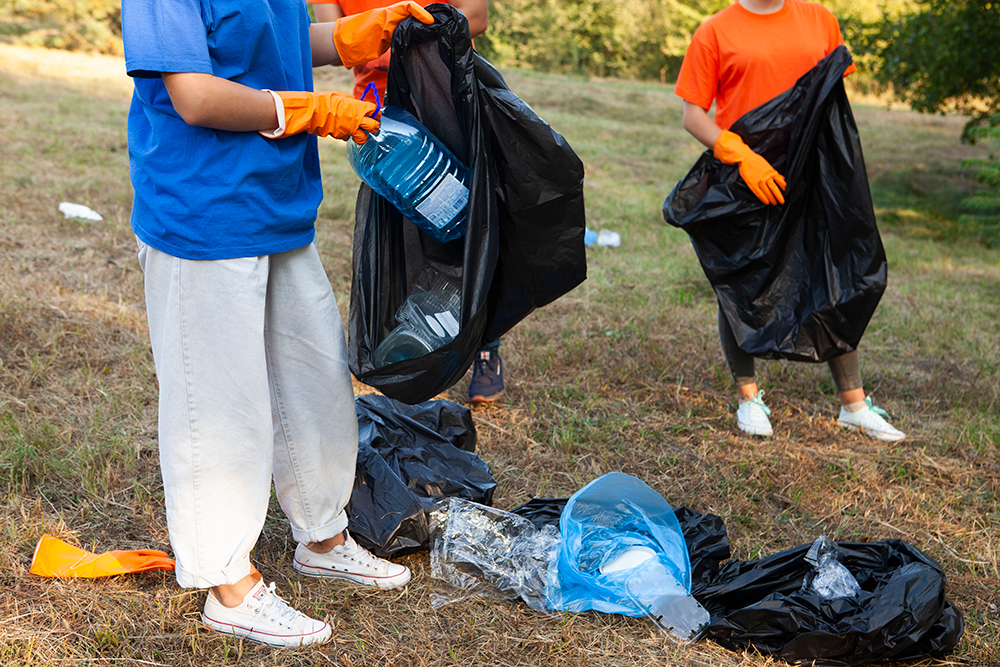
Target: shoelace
274,608
879,411
361,556
758,401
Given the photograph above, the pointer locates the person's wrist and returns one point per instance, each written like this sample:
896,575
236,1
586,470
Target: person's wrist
730,148
279,110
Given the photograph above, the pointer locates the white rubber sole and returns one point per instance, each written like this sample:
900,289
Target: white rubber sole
761,432
321,636
878,435
384,583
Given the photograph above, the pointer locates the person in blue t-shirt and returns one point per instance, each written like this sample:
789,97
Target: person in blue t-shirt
246,336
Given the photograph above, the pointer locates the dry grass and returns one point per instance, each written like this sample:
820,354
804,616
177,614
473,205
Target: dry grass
622,374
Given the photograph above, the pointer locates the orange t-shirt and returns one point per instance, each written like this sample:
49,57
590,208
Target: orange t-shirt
376,70
741,59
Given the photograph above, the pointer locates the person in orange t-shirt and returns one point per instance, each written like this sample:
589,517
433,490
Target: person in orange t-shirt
326,11
488,369
740,58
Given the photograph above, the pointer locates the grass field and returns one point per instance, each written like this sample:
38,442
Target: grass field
624,373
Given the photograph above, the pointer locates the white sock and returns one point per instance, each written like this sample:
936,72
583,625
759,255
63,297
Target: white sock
854,407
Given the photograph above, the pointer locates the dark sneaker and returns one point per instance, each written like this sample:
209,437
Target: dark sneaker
487,377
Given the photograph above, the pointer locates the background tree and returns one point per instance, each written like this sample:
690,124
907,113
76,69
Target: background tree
643,39
74,25
945,56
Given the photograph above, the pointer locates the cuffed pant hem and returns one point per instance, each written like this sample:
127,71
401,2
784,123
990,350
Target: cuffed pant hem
320,533
224,577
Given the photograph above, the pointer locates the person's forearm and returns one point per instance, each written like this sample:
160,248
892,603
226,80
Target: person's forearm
210,101
476,13
324,52
327,12
698,123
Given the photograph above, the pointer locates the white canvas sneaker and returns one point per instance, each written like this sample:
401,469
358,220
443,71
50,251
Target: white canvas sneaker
752,416
265,618
353,562
870,420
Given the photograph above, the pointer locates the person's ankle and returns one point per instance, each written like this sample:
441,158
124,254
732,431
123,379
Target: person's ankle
855,406
746,392
326,545
231,595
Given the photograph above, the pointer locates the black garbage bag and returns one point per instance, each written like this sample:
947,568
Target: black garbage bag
410,458
900,614
523,245
801,280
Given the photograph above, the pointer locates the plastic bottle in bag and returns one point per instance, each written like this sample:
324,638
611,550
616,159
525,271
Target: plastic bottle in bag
427,320
656,591
407,165
831,580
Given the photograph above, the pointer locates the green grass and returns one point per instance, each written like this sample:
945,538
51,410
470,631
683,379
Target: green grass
624,373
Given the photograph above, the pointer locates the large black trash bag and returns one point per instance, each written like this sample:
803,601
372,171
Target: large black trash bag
523,245
801,280
411,457
901,613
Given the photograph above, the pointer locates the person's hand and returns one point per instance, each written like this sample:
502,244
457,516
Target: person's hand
365,36
327,114
763,179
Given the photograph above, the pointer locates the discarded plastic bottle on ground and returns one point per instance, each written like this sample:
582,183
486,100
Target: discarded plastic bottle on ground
608,238
427,320
665,601
602,238
407,165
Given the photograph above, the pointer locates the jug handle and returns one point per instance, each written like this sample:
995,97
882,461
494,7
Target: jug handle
378,103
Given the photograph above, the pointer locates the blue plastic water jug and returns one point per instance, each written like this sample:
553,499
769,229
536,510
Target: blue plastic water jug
407,165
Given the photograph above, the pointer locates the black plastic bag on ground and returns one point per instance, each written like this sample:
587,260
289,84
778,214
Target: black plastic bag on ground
801,280
523,245
411,457
901,613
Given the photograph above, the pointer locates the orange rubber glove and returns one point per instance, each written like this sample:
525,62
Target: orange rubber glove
55,558
763,179
365,36
327,114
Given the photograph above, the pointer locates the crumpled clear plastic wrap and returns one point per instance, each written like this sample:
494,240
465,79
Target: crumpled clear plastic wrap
480,550
832,580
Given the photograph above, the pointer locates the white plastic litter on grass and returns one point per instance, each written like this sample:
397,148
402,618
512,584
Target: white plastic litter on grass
608,238
78,211
602,238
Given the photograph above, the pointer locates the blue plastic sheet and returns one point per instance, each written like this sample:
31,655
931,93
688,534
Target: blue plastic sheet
603,520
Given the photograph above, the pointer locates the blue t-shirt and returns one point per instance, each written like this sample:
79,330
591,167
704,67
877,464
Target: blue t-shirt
212,194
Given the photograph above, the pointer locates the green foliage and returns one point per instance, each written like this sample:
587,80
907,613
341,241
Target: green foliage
643,39
984,207
944,56
75,25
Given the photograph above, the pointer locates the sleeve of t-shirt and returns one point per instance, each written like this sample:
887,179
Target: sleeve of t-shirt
698,79
164,37
835,39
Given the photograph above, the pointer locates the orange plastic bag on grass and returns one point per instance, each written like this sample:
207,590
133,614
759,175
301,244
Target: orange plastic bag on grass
55,558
